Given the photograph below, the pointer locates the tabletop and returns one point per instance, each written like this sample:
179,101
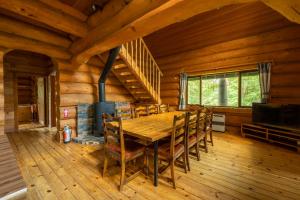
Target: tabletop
150,128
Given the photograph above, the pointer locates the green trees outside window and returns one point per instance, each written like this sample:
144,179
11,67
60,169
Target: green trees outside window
229,89
250,88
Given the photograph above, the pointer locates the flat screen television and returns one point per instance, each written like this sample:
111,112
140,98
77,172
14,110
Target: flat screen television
286,115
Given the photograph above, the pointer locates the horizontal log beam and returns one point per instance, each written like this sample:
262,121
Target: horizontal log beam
66,8
134,10
12,41
10,25
163,14
41,12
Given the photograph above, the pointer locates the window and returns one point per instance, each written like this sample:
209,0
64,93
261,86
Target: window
220,90
194,90
250,88
229,89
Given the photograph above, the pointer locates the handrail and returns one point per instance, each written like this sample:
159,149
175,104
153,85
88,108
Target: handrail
137,54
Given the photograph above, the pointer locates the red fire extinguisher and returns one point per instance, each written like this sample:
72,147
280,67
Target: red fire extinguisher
67,134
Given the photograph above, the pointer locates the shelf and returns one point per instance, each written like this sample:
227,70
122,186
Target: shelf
250,135
281,135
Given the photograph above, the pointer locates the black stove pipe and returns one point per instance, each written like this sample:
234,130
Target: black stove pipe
113,53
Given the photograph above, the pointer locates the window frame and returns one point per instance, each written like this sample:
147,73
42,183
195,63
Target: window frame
239,75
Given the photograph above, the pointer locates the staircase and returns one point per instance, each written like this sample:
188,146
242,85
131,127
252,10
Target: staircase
137,70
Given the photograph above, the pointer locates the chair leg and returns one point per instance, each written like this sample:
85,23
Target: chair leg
187,159
104,164
146,162
197,151
122,179
184,162
211,138
172,173
205,145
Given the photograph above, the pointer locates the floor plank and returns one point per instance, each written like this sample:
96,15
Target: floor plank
235,168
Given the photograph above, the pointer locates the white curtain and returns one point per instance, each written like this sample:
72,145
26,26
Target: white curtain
264,79
183,86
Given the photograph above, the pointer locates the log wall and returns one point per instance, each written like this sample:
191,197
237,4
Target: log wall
2,121
78,85
231,39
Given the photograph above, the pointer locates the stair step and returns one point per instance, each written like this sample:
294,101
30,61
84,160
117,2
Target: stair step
119,65
144,97
139,92
127,79
121,70
133,80
123,73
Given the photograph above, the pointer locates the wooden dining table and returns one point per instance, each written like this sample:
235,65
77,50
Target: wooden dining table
151,129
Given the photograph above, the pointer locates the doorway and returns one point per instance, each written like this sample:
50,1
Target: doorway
29,90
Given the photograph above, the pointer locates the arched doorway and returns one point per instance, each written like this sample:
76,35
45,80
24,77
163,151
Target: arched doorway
29,91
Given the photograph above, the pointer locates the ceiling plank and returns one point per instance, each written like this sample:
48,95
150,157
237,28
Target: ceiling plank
288,8
66,8
109,10
20,28
41,12
168,12
12,41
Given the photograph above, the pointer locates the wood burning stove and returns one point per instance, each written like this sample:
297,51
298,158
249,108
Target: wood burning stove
104,106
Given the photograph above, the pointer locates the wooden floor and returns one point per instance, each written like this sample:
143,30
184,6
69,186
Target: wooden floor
235,168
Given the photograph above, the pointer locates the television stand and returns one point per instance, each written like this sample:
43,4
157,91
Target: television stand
274,134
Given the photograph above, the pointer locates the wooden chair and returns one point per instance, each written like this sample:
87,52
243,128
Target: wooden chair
152,109
209,117
124,113
141,110
194,107
195,129
163,108
174,149
117,148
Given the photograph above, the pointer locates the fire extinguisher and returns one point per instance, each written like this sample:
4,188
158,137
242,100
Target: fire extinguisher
67,134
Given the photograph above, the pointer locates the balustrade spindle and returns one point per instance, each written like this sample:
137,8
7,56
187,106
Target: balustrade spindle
138,55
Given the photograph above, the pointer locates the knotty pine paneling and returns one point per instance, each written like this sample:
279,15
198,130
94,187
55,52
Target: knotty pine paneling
233,38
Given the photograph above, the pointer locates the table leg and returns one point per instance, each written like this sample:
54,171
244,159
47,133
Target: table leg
155,161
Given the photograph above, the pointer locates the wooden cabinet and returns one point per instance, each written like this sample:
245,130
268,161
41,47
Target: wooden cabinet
275,134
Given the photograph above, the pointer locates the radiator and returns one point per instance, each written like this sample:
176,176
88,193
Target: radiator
218,122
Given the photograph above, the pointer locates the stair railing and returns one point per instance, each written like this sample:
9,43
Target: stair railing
141,60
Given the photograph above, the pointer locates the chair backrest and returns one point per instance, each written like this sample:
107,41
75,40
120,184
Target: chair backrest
191,122
194,107
141,110
163,108
178,133
201,123
124,113
152,109
209,117
113,135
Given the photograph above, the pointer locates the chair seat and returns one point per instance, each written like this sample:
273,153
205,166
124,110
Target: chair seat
192,140
164,150
132,149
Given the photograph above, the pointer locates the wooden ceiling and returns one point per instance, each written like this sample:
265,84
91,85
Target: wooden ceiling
225,24
90,27
87,7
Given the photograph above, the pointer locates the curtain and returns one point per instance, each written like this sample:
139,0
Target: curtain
183,86
264,79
